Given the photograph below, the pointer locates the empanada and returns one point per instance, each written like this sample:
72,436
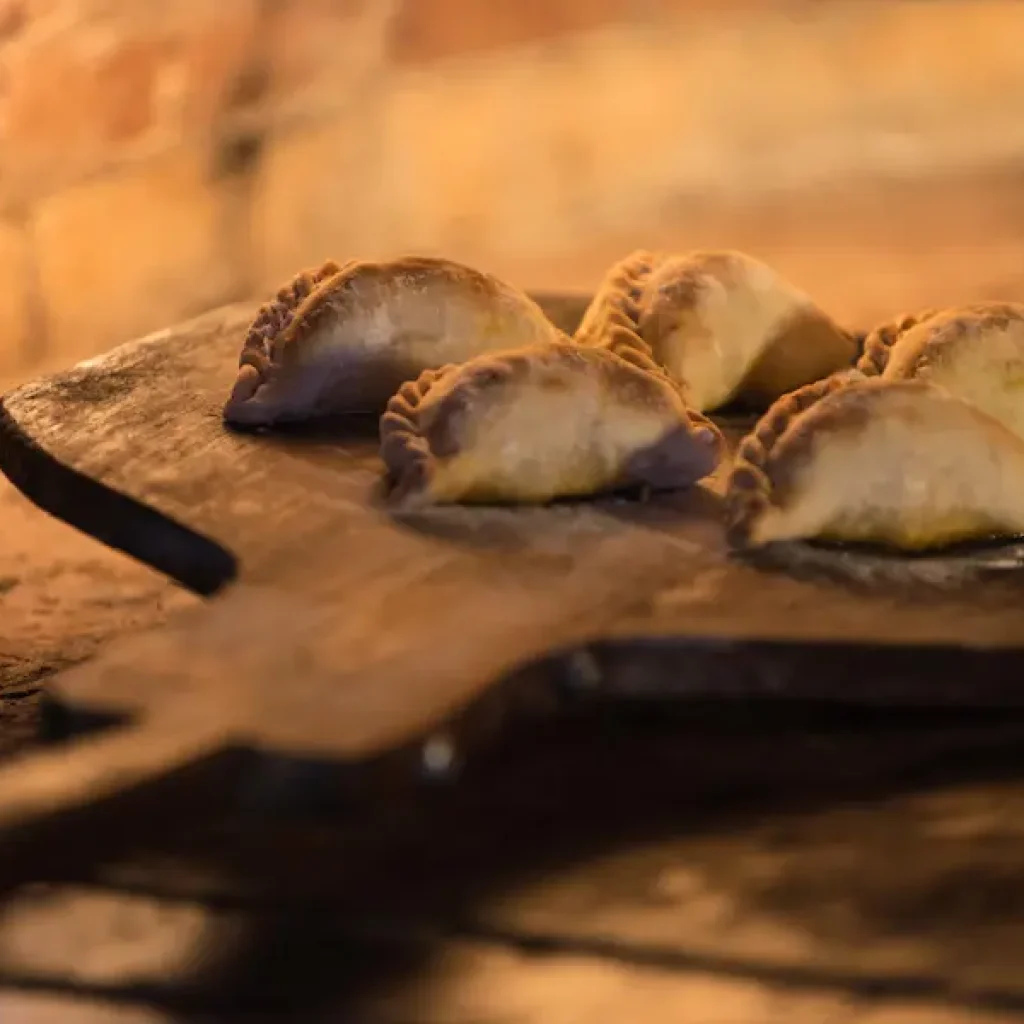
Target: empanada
728,326
903,464
342,339
976,352
543,422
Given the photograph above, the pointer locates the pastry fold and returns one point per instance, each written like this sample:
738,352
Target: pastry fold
879,341
976,352
723,324
902,464
342,339
616,303
540,423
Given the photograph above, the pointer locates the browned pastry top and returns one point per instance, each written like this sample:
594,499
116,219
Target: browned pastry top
342,339
612,397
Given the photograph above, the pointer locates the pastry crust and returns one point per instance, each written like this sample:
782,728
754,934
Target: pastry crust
342,339
540,423
616,302
903,464
879,341
734,330
976,352
611,320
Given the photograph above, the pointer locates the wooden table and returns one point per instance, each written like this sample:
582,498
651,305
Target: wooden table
693,861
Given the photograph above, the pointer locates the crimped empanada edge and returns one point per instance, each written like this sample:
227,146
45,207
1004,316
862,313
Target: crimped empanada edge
408,454
266,324
404,450
879,341
317,306
270,320
614,312
748,488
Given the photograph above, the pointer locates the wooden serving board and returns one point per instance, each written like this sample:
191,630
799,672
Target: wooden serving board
340,632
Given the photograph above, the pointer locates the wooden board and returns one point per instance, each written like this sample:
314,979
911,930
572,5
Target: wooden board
341,632
130,447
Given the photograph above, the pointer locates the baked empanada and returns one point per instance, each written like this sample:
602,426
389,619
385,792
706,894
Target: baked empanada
725,325
903,464
976,352
342,339
543,422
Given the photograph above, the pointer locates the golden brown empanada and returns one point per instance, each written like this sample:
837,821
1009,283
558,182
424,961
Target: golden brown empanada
724,324
898,463
976,352
342,339
543,422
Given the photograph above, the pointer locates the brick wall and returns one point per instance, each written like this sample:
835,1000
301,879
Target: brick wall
158,157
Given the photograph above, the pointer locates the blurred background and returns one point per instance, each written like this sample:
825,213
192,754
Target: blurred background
161,157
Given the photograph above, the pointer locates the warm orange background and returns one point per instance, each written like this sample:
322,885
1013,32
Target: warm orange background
158,157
